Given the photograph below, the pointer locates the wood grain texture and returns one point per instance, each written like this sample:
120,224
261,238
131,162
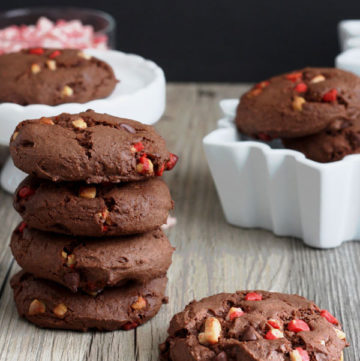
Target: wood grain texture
211,256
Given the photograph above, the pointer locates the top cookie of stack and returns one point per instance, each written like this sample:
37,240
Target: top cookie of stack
90,147
314,110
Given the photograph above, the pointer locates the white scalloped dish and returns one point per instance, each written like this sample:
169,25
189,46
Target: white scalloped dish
282,191
139,95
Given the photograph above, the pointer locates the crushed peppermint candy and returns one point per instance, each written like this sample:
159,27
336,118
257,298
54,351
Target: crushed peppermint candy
47,34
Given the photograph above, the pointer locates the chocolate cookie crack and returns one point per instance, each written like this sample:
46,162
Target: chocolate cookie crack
84,140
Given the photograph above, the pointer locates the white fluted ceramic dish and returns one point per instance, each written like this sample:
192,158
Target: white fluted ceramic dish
282,191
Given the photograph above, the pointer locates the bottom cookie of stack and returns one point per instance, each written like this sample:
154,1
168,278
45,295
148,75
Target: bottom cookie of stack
50,305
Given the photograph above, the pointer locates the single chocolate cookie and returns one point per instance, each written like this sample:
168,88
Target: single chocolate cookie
89,147
91,264
111,210
330,145
49,76
49,305
301,103
253,326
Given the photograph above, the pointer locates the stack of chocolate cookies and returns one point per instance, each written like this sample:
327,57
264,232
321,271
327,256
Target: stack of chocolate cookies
314,110
90,244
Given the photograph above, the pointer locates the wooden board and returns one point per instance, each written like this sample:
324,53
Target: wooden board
211,256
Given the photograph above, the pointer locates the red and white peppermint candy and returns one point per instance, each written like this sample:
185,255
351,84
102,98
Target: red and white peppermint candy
233,313
299,354
298,326
47,34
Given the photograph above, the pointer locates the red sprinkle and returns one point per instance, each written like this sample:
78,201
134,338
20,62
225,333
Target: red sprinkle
138,146
294,76
172,162
262,84
104,228
330,96
328,316
26,192
304,355
54,54
129,326
22,226
264,137
298,326
36,51
301,88
160,171
253,296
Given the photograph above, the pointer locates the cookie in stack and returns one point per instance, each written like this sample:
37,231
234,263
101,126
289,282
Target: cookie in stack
90,244
314,110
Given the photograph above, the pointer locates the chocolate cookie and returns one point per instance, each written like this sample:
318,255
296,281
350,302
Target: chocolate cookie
49,305
49,76
330,145
111,210
91,264
301,103
89,147
253,326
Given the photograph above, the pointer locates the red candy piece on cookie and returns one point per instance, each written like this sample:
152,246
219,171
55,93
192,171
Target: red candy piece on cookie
298,326
172,162
294,76
299,354
160,171
26,192
145,165
137,147
262,84
129,326
301,88
274,324
54,54
329,317
330,96
233,313
22,226
253,296
274,334
36,51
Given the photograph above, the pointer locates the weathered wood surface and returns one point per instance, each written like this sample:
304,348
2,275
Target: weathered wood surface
211,256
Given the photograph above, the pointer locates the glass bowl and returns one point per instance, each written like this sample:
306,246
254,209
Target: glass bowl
102,22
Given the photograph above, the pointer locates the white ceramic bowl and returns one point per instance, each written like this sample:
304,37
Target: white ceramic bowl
140,95
349,60
348,29
282,191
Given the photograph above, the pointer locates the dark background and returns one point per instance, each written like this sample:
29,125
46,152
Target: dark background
229,40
